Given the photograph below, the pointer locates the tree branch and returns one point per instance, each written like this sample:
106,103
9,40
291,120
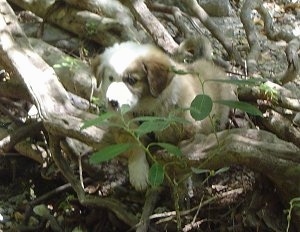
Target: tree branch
105,31
198,12
157,31
258,150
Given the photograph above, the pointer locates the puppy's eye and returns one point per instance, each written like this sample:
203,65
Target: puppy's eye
130,80
111,78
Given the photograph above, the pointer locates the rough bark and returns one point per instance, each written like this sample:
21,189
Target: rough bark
258,150
75,75
106,31
157,31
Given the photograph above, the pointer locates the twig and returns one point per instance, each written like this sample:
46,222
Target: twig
293,69
183,213
251,34
42,198
117,207
18,135
269,28
193,225
283,98
175,12
293,42
282,127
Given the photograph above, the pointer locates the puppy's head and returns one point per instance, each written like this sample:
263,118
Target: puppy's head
129,72
149,75
109,66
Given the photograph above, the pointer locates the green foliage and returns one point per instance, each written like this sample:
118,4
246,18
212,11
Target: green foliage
110,152
66,205
169,147
67,62
221,170
151,126
269,92
208,171
243,106
103,118
42,211
201,107
154,123
156,174
91,28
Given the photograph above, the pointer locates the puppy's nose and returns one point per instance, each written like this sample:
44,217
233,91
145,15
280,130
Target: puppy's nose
114,104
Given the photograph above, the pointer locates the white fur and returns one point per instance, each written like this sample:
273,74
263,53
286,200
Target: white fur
138,169
120,56
118,92
115,59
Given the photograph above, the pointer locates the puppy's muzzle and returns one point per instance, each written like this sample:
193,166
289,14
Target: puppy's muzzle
119,95
113,104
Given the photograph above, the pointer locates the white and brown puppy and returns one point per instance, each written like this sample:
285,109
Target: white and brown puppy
143,77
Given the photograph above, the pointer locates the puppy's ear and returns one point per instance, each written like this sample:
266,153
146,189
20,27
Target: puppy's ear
159,74
96,68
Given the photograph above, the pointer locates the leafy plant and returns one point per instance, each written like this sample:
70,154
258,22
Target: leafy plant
91,28
110,152
156,174
149,124
67,62
200,109
270,93
243,106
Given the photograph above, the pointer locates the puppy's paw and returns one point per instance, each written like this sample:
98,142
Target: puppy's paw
138,168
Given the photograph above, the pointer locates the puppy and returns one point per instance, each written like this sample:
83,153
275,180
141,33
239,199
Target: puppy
149,82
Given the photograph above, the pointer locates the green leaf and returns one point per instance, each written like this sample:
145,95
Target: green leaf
244,106
156,175
41,210
221,170
201,107
170,119
147,118
97,121
150,126
170,148
173,119
124,109
109,152
269,92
